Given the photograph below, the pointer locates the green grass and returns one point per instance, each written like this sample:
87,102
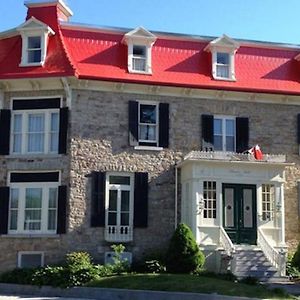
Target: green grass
187,283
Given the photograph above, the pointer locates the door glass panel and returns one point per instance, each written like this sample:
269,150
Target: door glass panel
122,180
247,208
125,201
229,207
113,194
112,218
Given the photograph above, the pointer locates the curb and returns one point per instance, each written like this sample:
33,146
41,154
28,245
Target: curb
105,294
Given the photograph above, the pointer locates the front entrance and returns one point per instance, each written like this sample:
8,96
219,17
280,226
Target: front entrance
239,213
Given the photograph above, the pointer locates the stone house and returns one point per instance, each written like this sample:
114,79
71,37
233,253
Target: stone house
115,136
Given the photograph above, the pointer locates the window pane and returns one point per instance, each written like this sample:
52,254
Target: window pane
230,143
218,126
14,198
33,198
34,42
54,129
112,218
148,114
52,197
223,71
218,143
54,122
124,180
36,123
52,219
17,133
139,50
147,133
222,58
125,201
113,200
13,220
34,56
230,127
124,219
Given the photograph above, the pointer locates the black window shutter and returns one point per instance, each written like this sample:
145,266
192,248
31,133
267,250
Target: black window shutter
164,125
4,207
62,209
242,134
98,199
133,123
298,127
207,122
5,116
140,218
63,130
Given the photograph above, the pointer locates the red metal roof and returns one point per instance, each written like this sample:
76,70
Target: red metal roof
96,54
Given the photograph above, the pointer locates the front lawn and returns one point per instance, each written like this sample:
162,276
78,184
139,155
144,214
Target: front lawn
187,283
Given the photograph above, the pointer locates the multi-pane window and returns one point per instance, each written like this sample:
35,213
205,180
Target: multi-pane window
35,131
34,49
210,200
119,207
148,124
139,58
222,65
33,207
224,134
268,202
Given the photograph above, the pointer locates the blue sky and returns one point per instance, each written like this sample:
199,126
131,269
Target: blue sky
264,20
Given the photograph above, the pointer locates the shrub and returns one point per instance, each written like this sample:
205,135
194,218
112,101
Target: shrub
54,276
78,261
119,265
291,270
223,276
183,255
18,276
153,262
250,280
296,258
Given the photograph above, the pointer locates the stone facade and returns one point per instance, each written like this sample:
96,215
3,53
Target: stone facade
98,140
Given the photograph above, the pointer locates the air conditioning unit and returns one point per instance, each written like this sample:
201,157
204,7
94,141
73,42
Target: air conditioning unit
108,258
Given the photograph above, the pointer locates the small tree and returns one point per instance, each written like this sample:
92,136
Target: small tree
183,255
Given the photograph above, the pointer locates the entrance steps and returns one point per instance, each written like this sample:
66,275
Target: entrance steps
251,261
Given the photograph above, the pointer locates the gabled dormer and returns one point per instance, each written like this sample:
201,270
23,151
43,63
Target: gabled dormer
223,50
139,42
35,35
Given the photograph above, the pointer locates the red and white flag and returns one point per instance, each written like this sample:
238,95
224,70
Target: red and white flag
256,152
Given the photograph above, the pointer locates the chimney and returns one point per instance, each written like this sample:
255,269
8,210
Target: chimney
48,11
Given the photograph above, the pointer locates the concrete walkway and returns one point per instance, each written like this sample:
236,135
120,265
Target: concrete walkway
290,287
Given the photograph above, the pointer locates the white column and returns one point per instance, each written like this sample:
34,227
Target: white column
282,219
219,203
259,204
195,190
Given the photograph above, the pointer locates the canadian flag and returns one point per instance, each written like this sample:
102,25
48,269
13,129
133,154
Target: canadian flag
256,152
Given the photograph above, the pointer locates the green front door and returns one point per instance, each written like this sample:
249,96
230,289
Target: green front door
239,213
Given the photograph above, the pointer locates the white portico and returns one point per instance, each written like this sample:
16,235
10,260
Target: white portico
231,199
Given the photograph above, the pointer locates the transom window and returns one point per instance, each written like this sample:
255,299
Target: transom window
224,134
222,65
34,49
268,202
119,208
210,200
33,207
148,124
139,58
35,131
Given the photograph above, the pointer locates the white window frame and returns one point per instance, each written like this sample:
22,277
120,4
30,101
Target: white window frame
21,253
156,124
231,69
117,236
224,118
139,57
210,211
21,206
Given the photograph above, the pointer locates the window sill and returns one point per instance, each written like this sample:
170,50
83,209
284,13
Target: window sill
148,148
140,72
30,236
224,79
38,64
34,156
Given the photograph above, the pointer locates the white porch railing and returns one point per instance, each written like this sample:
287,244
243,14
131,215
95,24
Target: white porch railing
118,233
226,242
232,156
276,258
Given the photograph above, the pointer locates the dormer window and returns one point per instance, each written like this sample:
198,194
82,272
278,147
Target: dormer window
222,65
35,35
139,42
34,50
139,58
223,50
